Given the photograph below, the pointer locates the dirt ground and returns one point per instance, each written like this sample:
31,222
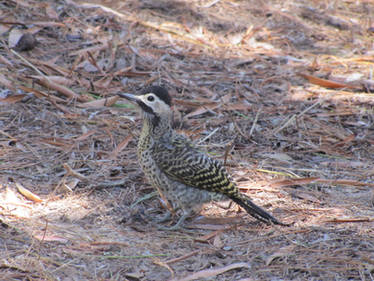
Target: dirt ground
282,91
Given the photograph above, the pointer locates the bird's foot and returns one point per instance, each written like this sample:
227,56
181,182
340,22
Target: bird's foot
178,226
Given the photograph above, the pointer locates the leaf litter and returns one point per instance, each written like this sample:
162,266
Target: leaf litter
280,91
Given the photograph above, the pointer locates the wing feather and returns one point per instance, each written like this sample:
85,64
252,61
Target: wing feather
183,162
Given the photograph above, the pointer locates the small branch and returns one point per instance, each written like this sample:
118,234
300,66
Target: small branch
73,173
293,117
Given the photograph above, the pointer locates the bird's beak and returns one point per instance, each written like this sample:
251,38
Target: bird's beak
138,100
129,97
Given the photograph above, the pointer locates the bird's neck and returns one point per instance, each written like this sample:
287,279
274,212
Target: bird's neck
156,127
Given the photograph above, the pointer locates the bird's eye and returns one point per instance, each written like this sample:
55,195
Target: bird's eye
150,98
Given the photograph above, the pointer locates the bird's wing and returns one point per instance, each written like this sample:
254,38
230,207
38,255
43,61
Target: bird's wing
183,162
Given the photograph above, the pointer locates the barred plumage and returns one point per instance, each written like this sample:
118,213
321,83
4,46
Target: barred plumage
176,168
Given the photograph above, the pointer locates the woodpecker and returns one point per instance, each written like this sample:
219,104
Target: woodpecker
180,172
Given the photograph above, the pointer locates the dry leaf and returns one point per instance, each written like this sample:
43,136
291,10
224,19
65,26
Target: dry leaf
291,182
120,147
60,142
237,106
61,89
28,194
100,102
208,273
51,238
357,184
85,135
56,79
202,109
282,157
326,83
41,95
12,99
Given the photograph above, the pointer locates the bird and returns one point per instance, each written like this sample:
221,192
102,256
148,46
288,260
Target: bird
180,172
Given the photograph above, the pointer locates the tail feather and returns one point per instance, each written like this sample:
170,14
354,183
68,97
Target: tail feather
254,210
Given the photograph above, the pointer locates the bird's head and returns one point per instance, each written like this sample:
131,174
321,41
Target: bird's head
155,103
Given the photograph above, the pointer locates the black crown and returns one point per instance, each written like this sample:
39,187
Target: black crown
159,91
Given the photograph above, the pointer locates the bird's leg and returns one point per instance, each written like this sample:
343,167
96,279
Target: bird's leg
180,223
177,226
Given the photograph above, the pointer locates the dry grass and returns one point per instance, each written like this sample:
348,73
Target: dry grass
282,89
